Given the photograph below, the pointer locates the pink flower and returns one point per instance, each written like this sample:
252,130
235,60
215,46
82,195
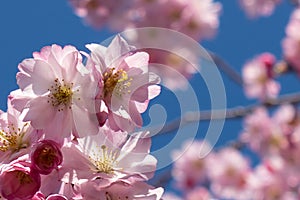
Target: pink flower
46,156
228,172
199,193
264,134
110,157
258,78
125,86
19,181
59,93
257,8
189,167
16,136
121,190
291,43
197,19
98,13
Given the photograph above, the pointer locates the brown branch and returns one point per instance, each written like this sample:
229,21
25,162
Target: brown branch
226,68
231,113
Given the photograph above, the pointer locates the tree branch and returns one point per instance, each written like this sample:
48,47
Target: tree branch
231,113
229,71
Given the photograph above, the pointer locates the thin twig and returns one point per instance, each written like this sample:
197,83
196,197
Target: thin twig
231,113
227,69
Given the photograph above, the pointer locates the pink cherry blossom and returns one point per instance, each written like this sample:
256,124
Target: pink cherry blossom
199,193
228,172
257,8
258,77
110,159
59,93
125,85
16,136
291,43
264,134
19,181
121,190
189,168
46,156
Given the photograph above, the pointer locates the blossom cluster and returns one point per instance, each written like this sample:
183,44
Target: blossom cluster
69,130
227,174
197,19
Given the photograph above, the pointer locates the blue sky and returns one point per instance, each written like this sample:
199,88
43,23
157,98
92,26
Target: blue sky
27,26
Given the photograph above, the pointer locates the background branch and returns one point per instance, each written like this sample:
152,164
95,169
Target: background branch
231,113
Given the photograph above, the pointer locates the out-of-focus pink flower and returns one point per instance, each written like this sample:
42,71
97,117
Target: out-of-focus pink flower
189,167
110,158
16,136
58,93
267,182
199,193
40,196
258,77
257,8
46,156
197,19
264,134
98,13
291,43
121,190
19,181
125,85
228,172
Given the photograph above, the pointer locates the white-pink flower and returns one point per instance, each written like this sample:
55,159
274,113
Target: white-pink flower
125,85
189,168
259,78
121,190
228,172
291,43
257,8
58,93
16,136
109,157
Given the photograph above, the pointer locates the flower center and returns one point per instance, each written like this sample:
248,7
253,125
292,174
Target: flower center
117,82
12,139
23,177
60,94
106,161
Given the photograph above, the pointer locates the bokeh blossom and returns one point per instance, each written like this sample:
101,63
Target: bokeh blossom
291,43
258,8
258,77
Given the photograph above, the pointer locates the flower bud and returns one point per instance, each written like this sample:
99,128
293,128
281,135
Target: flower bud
19,181
46,156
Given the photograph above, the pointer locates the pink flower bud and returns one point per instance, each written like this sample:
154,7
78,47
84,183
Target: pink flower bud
46,156
19,181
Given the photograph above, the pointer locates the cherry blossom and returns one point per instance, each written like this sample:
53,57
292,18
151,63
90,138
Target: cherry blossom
190,168
46,156
16,136
110,159
228,174
257,8
258,77
19,181
290,44
56,82
125,85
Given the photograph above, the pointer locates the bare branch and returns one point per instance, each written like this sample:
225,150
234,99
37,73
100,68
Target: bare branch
229,71
231,113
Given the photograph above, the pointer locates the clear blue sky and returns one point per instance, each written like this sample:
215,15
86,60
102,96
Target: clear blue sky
27,26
